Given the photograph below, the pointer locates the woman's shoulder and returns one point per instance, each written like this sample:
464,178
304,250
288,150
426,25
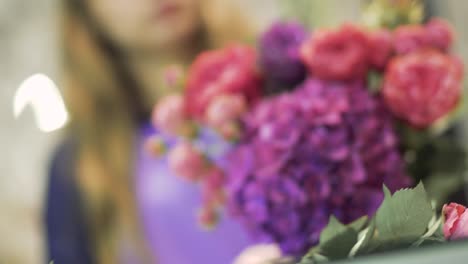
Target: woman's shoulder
66,226
63,159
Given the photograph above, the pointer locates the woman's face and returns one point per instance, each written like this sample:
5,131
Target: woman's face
147,25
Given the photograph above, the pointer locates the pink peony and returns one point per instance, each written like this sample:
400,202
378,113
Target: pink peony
187,162
456,221
440,34
337,54
169,114
410,38
224,109
231,70
423,86
437,34
380,48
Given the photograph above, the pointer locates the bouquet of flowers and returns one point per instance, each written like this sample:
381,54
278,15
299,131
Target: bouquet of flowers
305,131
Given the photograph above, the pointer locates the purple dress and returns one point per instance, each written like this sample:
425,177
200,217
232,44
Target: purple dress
168,207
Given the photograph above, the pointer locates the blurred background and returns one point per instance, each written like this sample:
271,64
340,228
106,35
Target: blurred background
29,46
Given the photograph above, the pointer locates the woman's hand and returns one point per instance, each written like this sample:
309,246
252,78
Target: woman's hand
259,254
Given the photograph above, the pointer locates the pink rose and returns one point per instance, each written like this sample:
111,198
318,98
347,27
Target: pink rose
169,115
456,221
436,34
224,109
230,70
340,54
423,86
380,48
410,38
187,162
440,34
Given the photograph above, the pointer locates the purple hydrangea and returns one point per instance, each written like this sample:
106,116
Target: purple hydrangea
279,53
324,149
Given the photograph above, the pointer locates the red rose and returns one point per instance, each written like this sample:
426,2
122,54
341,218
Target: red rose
423,86
456,221
337,54
380,48
231,70
440,34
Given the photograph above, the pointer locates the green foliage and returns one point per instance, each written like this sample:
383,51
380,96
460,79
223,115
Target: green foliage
403,216
374,82
337,239
404,219
359,224
436,157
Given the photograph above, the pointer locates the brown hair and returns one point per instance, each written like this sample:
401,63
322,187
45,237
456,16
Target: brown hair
105,107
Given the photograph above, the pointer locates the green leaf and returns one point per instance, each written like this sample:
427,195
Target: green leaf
387,193
339,246
434,227
334,228
374,81
310,254
425,241
359,224
337,240
403,217
366,246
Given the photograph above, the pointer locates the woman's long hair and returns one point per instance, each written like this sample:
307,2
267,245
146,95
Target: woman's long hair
106,106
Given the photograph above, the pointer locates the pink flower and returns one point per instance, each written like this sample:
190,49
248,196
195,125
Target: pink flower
224,109
456,221
187,162
169,114
440,34
410,38
208,217
423,86
231,70
337,54
436,34
213,188
380,48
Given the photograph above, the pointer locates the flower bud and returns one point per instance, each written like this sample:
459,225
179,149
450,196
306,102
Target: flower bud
456,221
187,162
169,114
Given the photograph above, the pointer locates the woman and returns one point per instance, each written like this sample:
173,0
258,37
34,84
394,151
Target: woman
97,208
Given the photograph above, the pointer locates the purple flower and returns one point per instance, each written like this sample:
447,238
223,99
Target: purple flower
324,149
279,53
